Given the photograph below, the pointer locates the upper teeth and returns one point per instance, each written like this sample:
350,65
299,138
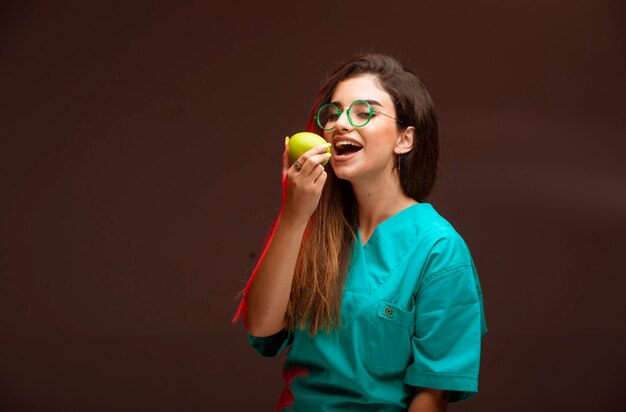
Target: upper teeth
347,142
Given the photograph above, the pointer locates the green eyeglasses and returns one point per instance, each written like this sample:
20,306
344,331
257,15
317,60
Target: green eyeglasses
360,112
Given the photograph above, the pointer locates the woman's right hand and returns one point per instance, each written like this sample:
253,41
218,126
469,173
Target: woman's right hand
302,188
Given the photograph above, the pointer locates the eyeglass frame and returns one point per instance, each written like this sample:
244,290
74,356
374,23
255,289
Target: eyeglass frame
340,112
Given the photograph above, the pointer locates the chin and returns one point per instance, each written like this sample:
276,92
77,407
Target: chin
343,174
339,175
340,172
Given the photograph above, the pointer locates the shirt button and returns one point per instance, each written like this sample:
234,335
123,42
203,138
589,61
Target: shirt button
388,311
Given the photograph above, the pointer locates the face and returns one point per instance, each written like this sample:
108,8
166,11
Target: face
365,153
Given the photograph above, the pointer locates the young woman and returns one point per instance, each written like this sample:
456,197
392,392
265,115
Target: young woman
375,293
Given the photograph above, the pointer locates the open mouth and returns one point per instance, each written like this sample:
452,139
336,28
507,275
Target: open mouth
346,146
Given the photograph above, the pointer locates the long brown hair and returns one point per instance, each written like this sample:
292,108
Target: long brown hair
324,255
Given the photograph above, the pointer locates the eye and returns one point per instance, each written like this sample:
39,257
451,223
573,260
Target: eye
362,112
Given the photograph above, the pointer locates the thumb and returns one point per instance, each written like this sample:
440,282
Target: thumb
286,156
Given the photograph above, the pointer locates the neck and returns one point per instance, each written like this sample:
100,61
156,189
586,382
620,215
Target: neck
378,201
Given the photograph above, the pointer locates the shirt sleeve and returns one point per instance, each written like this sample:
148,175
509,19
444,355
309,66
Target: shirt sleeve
271,345
449,325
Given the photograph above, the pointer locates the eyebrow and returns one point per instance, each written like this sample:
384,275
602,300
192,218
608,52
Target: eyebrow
372,102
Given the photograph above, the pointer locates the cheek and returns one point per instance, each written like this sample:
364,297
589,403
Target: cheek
382,140
377,136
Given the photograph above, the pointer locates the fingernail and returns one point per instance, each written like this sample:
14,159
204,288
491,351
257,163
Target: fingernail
286,139
327,154
325,145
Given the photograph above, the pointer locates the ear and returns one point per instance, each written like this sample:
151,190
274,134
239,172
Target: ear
405,141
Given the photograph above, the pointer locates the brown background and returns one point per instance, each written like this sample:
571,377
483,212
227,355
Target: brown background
140,161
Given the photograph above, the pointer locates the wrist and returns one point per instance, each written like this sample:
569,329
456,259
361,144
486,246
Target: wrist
292,221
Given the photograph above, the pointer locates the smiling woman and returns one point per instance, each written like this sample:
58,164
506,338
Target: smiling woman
374,292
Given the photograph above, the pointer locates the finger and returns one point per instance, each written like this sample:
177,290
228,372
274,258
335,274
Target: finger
312,152
322,178
317,172
316,150
312,162
286,156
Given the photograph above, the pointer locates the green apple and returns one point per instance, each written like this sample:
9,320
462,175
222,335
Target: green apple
302,142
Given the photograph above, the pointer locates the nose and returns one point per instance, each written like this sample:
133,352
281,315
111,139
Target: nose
343,123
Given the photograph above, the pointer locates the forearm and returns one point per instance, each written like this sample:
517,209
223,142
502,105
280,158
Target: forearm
429,400
268,292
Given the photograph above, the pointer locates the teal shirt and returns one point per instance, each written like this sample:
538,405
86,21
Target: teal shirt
412,316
